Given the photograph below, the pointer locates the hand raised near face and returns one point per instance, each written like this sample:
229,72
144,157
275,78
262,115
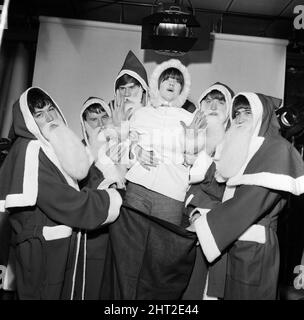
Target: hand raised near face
198,122
119,112
194,133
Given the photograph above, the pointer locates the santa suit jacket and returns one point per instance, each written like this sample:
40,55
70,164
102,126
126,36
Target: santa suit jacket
95,241
244,225
207,194
46,211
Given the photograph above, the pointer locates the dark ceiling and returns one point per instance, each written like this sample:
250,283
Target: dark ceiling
261,18
265,18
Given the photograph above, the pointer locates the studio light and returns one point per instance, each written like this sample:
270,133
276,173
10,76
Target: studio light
172,30
288,117
291,120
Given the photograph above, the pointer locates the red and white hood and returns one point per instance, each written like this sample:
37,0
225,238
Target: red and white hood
87,104
225,90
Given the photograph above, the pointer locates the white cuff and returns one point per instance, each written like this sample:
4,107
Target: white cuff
114,207
205,236
200,167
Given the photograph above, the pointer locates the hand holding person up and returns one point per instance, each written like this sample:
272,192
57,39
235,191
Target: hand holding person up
146,158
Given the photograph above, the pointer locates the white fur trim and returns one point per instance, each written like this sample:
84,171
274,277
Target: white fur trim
45,145
256,109
56,232
85,106
205,237
114,207
84,266
75,265
100,101
205,296
228,193
29,193
156,100
9,281
264,179
200,167
272,181
188,200
28,118
256,233
28,197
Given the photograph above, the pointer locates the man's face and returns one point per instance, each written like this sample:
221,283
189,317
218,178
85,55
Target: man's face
95,120
130,91
242,116
214,109
170,89
48,115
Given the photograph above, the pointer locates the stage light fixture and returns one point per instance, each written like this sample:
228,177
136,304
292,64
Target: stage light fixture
291,120
288,116
172,30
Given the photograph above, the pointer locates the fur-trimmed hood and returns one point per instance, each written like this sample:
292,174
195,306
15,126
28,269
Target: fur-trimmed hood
19,172
265,122
225,90
24,124
155,98
272,161
87,104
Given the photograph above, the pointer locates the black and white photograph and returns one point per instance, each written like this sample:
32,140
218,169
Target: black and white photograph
151,151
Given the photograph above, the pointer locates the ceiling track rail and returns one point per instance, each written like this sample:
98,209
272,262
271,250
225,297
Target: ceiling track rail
207,11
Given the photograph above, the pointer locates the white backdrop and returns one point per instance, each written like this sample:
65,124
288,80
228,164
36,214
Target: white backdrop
76,59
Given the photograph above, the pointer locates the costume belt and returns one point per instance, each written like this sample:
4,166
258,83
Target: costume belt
57,232
46,233
257,232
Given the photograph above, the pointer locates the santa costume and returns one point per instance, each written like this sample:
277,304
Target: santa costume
46,210
244,225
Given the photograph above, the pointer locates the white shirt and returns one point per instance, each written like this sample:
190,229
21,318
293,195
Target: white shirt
159,129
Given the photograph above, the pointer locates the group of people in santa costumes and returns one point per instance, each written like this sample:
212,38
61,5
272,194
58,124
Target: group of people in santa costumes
163,199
